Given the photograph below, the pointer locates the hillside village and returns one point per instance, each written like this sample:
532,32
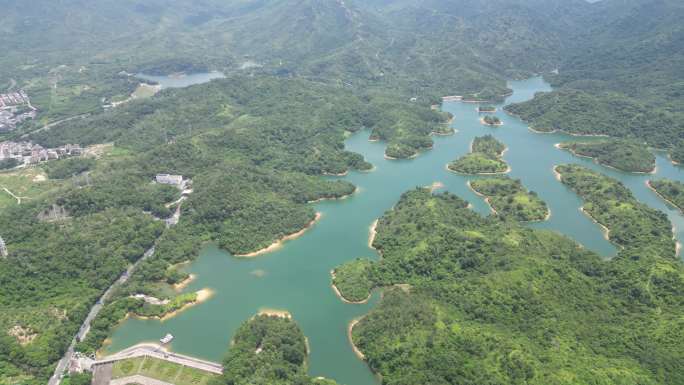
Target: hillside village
27,153
15,108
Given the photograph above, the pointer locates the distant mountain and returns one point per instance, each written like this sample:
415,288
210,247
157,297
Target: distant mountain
465,46
624,68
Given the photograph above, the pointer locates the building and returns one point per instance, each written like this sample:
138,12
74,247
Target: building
174,180
3,248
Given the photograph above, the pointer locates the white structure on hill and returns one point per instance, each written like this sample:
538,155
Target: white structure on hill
3,248
174,180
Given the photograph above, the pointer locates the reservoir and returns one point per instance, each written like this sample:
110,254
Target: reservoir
297,278
181,80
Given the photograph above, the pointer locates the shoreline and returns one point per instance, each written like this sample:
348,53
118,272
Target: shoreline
648,184
558,175
372,233
340,296
481,195
356,190
492,124
345,173
183,284
453,131
274,313
359,354
598,162
387,157
487,200
202,296
435,186
508,170
279,243
606,230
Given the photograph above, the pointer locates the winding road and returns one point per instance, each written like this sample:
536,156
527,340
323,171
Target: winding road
85,327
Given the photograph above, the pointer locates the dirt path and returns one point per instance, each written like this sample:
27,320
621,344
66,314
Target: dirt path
14,196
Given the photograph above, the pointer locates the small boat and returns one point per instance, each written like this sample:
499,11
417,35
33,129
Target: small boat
166,339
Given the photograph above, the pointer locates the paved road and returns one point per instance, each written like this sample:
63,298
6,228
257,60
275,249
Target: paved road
50,125
157,351
85,327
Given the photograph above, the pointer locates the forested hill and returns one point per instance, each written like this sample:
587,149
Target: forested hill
416,48
474,300
621,75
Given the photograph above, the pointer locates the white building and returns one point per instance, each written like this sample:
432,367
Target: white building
3,248
174,180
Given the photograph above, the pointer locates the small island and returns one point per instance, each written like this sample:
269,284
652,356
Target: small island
484,158
486,109
350,281
508,198
491,120
671,191
624,155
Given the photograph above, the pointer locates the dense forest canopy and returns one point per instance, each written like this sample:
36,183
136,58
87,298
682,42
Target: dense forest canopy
268,350
479,300
625,155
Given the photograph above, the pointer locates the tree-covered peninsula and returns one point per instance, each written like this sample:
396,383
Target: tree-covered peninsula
669,190
484,158
643,232
485,301
624,155
508,198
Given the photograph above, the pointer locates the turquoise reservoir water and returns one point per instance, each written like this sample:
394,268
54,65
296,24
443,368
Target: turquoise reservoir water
297,277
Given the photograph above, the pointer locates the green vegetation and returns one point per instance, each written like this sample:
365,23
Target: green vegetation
351,280
484,158
256,143
486,108
159,311
488,145
161,370
642,231
76,64
670,190
495,302
579,112
491,120
478,163
54,272
510,199
7,164
625,155
66,168
27,183
267,350
617,80
78,379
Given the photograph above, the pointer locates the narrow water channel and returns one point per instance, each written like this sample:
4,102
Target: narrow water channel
297,277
